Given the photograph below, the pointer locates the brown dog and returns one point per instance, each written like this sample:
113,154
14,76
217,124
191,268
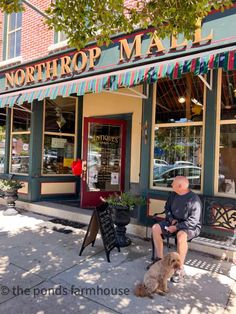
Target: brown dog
155,279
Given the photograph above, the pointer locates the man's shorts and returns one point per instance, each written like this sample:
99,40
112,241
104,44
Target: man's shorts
191,234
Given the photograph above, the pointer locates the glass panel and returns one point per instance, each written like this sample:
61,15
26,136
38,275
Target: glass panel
21,119
12,21
177,152
179,100
58,154
228,95
18,43
61,36
19,20
227,161
11,45
60,115
2,138
104,158
20,153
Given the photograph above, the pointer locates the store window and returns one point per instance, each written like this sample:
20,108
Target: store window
20,139
178,132
2,138
227,133
14,27
59,135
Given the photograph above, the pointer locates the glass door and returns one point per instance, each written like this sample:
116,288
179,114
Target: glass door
103,159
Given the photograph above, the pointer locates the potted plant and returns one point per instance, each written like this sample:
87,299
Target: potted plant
121,206
9,189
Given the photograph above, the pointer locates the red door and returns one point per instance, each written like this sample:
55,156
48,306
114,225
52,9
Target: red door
103,159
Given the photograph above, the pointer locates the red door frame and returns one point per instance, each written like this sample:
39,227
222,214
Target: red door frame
92,198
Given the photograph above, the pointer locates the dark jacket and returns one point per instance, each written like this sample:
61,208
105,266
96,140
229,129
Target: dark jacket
186,209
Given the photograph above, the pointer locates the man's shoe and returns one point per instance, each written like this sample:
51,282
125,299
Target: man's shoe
178,276
153,262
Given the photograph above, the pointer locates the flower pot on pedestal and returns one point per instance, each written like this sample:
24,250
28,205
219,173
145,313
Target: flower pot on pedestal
121,218
10,197
121,205
9,189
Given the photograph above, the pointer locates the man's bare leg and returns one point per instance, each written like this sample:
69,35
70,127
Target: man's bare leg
182,246
158,241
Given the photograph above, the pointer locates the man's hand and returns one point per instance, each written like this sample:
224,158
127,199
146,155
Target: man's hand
171,229
174,222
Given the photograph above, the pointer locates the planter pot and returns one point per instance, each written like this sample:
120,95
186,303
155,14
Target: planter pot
121,218
10,197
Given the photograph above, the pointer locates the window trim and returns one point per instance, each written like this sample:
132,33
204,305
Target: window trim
75,135
178,124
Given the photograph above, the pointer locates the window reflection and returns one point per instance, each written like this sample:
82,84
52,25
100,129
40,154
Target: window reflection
177,152
227,159
20,153
20,139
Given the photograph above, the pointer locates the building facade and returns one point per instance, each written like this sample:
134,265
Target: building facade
137,113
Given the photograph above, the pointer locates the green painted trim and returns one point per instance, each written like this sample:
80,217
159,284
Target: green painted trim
210,133
79,139
36,138
7,140
145,150
4,42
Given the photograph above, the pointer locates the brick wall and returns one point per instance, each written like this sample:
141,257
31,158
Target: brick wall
36,37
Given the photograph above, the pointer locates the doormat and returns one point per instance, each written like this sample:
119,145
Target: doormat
68,223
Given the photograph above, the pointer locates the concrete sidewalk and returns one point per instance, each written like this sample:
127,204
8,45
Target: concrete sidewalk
41,272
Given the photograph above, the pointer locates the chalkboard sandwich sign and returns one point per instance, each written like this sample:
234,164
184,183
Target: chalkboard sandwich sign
101,220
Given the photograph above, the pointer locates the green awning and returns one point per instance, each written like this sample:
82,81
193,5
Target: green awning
150,73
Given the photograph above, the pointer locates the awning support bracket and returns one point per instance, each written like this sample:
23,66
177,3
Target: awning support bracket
21,108
209,86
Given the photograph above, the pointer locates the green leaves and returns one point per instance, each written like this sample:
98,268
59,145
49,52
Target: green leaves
124,199
9,185
10,6
95,20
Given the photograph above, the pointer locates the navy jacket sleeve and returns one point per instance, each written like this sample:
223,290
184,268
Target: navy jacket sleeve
168,212
192,221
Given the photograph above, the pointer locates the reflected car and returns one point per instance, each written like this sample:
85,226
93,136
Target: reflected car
160,162
166,177
183,162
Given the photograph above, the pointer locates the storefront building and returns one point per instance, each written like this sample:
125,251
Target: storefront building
138,113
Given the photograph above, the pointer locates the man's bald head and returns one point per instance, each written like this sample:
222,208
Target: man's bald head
180,185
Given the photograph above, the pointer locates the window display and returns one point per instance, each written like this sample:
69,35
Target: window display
104,158
59,135
177,141
20,140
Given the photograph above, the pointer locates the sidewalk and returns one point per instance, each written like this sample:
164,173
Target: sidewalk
41,272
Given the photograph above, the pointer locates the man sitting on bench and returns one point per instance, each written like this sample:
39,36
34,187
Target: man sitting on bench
183,212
